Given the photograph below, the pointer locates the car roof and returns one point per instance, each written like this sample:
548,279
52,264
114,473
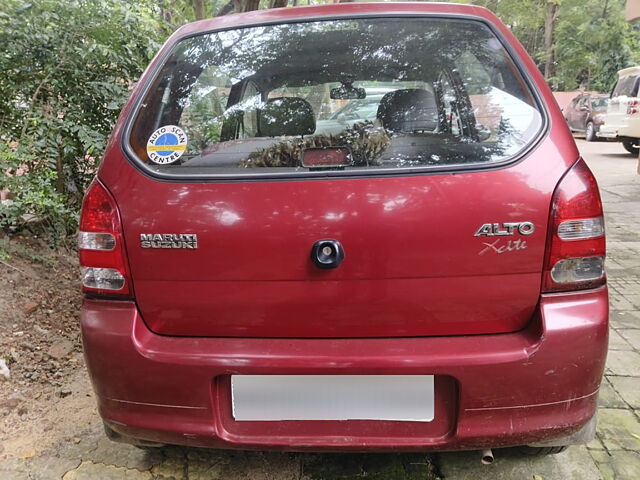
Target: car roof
627,72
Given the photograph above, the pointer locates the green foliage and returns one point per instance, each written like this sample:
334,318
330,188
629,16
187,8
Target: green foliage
65,70
592,40
33,198
593,43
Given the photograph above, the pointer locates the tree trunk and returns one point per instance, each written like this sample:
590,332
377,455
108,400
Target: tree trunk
549,40
60,181
278,3
245,5
226,9
198,9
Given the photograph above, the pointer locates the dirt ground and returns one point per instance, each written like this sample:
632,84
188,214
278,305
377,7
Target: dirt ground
47,396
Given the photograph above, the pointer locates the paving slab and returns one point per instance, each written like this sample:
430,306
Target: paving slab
604,462
623,363
626,284
608,397
36,468
123,455
625,319
618,465
635,298
573,464
628,388
595,444
632,336
618,302
618,429
617,341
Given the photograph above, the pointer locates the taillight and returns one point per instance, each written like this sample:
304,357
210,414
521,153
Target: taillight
576,242
633,106
101,245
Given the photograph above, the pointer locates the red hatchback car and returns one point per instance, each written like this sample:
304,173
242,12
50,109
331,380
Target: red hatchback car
432,279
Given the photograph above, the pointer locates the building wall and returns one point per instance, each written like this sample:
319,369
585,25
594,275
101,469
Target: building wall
633,10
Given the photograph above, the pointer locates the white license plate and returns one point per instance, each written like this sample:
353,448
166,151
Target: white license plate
407,398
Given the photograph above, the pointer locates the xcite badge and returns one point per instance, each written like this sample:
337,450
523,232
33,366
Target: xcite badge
502,230
169,240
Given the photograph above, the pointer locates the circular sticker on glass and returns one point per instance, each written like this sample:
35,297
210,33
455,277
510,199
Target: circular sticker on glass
166,145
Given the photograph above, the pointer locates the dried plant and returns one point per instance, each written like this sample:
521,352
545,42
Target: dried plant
366,141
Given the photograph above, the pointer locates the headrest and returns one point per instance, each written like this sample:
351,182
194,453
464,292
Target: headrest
286,116
408,111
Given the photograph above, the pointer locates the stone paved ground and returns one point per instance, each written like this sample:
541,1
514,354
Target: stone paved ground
616,449
67,443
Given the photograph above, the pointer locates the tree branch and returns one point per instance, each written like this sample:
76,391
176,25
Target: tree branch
44,81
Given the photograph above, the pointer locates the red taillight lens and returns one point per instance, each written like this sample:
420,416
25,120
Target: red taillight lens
101,245
576,242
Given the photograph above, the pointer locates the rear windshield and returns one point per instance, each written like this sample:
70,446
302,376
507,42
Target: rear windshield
626,86
358,94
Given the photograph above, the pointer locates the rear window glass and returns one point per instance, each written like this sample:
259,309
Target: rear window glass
626,86
356,94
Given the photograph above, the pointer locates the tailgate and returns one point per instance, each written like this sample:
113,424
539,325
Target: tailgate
413,265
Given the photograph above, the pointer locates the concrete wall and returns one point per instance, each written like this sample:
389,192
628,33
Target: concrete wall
633,10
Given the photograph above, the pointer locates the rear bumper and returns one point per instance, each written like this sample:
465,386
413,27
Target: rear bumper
491,390
630,128
608,131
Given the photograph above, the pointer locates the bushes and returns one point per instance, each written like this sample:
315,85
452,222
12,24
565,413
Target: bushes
31,195
65,71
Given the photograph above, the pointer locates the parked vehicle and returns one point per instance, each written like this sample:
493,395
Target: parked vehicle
586,113
622,122
430,280
354,111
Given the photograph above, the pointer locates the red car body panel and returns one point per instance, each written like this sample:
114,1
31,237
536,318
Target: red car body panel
498,390
413,296
409,244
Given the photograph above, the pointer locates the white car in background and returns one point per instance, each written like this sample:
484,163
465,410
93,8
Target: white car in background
353,112
622,123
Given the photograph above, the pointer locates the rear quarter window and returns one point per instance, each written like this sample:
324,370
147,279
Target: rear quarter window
256,100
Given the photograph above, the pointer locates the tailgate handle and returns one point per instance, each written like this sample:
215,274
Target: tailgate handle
327,253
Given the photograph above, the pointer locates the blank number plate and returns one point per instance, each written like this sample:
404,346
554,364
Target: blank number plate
406,398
